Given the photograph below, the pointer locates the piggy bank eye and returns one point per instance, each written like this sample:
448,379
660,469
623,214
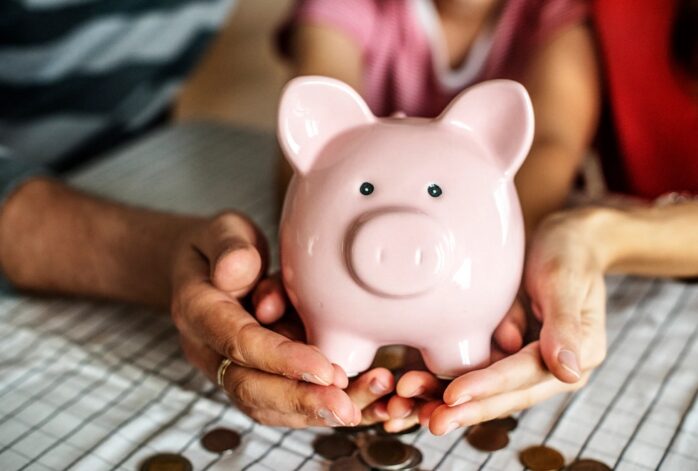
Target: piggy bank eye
366,188
434,190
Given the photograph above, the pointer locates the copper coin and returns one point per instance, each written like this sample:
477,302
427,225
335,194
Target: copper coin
486,438
507,423
220,440
386,453
166,462
348,463
334,446
588,465
542,458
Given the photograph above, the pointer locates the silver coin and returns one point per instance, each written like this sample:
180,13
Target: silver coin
386,453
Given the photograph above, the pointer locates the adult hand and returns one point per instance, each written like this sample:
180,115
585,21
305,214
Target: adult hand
564,280
275,380
369,391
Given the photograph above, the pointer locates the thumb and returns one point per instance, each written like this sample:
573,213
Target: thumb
235,251
558,304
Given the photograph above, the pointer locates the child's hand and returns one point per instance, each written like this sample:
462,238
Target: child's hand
419,393
564,279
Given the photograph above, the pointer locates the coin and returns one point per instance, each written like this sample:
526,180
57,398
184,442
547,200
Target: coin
507,423
220,440
348,463
487,438
386,453
541,458
333,446
166,462
588,465
416,458
413,429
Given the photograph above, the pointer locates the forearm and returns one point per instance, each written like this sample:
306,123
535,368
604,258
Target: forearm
649,241
544,181
56,239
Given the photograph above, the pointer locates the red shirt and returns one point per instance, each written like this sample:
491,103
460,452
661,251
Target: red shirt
654,114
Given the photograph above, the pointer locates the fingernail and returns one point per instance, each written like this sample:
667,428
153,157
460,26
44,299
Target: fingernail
407,413
568,360
377,387
416,392
451,427
315,379
462,399
381,411
330,418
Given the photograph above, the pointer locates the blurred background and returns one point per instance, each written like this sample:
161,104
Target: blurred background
241,76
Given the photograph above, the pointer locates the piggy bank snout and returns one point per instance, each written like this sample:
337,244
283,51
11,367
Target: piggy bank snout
398,253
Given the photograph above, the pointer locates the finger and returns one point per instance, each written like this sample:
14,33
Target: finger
235,251
426,410
269,300
401,407
398,425
419,384
520,370
509,333
328,406
445,419
201,356
557,297
375,413
340,377
370,386
233,333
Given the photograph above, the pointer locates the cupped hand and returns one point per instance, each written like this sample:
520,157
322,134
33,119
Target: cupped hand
564,281
273,379
419,392
368,391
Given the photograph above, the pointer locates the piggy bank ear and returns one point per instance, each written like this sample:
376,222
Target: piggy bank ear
498,112
314,110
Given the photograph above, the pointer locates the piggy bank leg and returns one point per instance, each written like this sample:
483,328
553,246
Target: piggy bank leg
353,354
448,359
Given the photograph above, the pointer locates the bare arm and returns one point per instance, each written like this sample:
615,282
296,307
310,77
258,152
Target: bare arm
649,241
321,50
563,84
56,239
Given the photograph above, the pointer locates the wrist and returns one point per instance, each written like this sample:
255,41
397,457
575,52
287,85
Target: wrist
594,230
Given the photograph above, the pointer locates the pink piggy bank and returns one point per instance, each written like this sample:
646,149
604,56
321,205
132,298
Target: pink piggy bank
403,230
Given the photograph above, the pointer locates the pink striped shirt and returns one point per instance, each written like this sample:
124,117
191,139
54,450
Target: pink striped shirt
405,62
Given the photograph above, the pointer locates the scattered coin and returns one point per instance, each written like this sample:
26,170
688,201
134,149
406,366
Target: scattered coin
413,429
588,465
334,446
348,463
166,462
220,440
386,453
541,458
416,458
507,423
487,438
